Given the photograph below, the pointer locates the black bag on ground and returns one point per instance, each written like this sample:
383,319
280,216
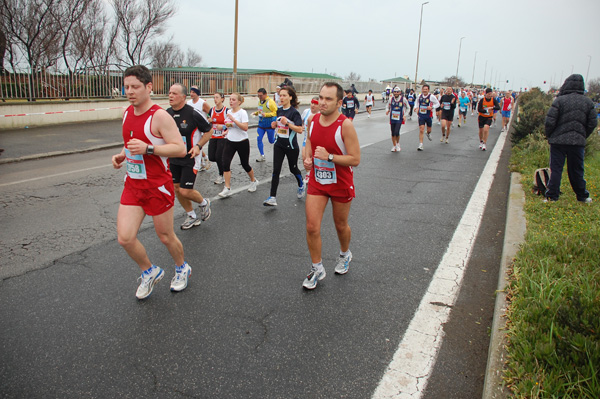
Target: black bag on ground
540,181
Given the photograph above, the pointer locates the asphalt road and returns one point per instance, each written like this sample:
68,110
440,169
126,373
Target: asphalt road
71,326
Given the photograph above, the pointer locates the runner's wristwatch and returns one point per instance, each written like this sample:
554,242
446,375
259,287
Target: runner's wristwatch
150,150
330,158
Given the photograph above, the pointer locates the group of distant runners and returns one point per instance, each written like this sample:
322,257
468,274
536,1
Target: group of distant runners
161,149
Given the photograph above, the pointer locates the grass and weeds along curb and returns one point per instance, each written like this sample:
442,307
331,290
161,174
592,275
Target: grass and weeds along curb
553,319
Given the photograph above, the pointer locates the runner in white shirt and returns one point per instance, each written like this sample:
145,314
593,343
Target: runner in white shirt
369,100
202,162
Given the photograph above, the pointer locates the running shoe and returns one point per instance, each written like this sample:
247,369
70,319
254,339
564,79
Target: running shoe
180,279
588,201
343,263
429,137
439,123
261,159
483,147
398,148
394,149
253,186
206,164
220,180
149,280
442,139
480,144
205,210
446,140
225,193
300,193
459,125
315,275
420,147
190,222
271,201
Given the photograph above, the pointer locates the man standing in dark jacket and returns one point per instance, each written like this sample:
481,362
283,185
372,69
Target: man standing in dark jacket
570,121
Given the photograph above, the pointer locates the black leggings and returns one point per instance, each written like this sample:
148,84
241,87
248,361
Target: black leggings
279,153
243,150
215,152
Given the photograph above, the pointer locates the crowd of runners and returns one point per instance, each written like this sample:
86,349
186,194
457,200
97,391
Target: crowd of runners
165,149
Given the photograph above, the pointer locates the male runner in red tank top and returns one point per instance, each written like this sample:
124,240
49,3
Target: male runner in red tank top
151,136
332,149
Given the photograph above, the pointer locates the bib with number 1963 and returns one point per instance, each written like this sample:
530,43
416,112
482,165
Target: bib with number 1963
283,130
136,168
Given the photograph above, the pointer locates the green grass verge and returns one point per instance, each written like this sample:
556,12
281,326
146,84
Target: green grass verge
554,288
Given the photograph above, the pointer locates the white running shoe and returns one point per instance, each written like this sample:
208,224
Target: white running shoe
442,139
180,279
429,136
271,201
480,144
398,149
439,123
315,275
149,280
300,192
261,159
253,186
394,149
420,147
206,164
190,222
343,263
225,193
446,140
220,180
483,147
205,210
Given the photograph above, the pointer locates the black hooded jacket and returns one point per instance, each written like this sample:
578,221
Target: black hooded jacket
572,117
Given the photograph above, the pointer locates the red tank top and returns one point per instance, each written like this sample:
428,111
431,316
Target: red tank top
218,118
327,176
506,104
144,171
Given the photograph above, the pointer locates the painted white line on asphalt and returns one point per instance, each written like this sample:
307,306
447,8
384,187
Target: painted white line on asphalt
407,374
54,175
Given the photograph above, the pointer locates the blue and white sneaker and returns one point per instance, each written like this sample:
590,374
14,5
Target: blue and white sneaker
149,280
180,280
271,201
300,194
310,282
343,263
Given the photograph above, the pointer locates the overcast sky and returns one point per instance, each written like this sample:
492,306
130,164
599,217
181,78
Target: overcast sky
523,41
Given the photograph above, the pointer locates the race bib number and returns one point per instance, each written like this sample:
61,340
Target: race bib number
283,130
217,132
488,110
463,108
446,106
325,172
350,105
395,115
136,168
423,109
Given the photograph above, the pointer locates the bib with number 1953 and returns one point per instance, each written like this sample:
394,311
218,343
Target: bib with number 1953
136,168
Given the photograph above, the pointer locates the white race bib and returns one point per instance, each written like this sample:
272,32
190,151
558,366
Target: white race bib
282,130
395,115
136,168
325,172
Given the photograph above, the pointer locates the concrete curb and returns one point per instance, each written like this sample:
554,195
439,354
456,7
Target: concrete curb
493,387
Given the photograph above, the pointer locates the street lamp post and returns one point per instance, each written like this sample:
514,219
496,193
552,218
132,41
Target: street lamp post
235,48
588,70
419,45
473,76
484,72
458,62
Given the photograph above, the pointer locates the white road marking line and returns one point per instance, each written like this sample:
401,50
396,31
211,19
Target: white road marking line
54,175
408,372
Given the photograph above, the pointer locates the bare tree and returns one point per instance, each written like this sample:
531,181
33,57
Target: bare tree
165,55
2,49
453,81
139,21
31,30
353,77
193,59
68,15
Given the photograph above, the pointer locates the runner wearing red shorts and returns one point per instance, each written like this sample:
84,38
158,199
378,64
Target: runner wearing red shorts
151,137
332,149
